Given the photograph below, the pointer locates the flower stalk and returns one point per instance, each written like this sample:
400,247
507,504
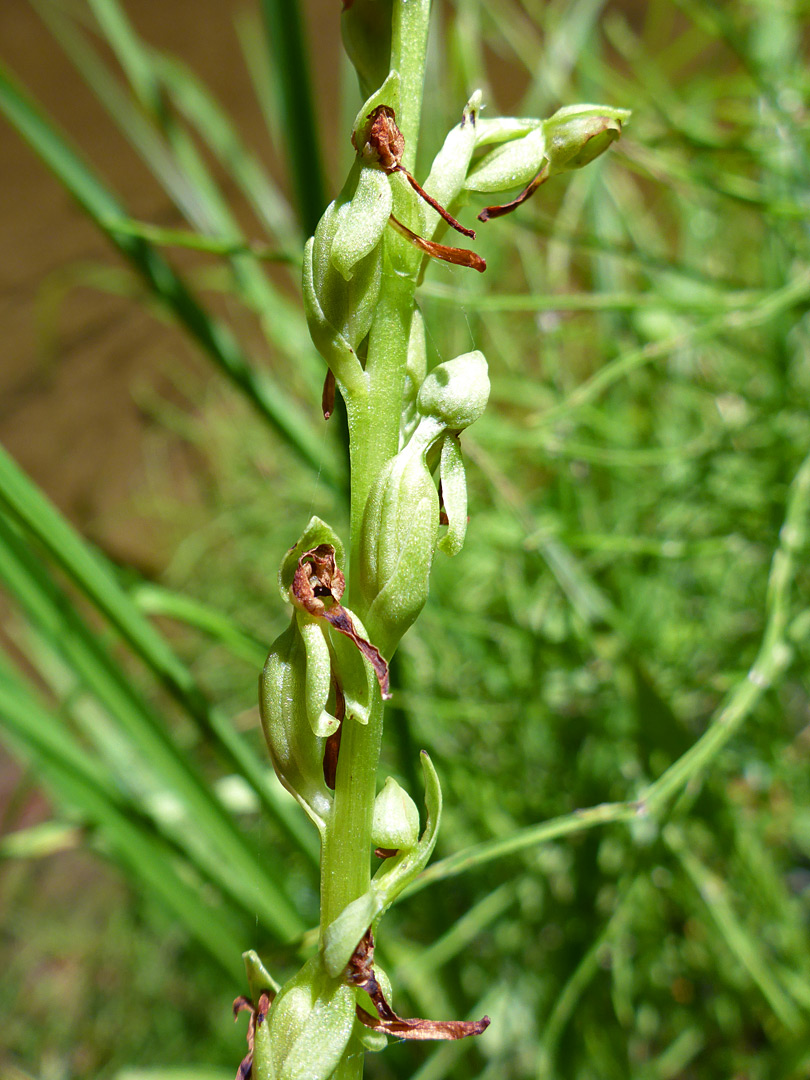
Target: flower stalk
324,685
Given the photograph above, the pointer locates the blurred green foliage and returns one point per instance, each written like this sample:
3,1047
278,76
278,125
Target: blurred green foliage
645,323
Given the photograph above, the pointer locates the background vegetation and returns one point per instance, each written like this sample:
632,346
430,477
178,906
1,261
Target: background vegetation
633,588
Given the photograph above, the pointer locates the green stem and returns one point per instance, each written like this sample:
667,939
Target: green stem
346,852
373,438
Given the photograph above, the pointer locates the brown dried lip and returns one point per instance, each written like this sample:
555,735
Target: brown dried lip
318,585
258,1014
360,973
386,143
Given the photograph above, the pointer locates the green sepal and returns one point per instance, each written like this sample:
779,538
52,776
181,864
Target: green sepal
259,978
353,671
387,93
456,392
318,675
343,935
317,532
454,495
297,755
499,129
510,165
308,1027
449,170
362,222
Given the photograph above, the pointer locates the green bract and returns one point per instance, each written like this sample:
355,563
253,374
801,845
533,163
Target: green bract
342,936
307,1028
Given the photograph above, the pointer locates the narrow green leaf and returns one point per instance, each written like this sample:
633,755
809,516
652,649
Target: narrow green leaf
215,338
291,81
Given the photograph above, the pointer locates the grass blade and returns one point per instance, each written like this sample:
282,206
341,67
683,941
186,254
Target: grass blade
291,80
169,289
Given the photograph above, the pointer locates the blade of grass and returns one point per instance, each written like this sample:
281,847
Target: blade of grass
204,830
743,944
216,129
216,340
291,81
80,784
772,659
172,154
93,576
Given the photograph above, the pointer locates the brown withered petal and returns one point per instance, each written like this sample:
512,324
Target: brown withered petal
328,395
360,973
384,141
437,206
459,256
387,143
317,577
339,618
400,1028
331,749
507,208
257,1016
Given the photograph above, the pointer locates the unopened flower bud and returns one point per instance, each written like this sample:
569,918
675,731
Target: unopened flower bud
577,134
395,825
456,392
